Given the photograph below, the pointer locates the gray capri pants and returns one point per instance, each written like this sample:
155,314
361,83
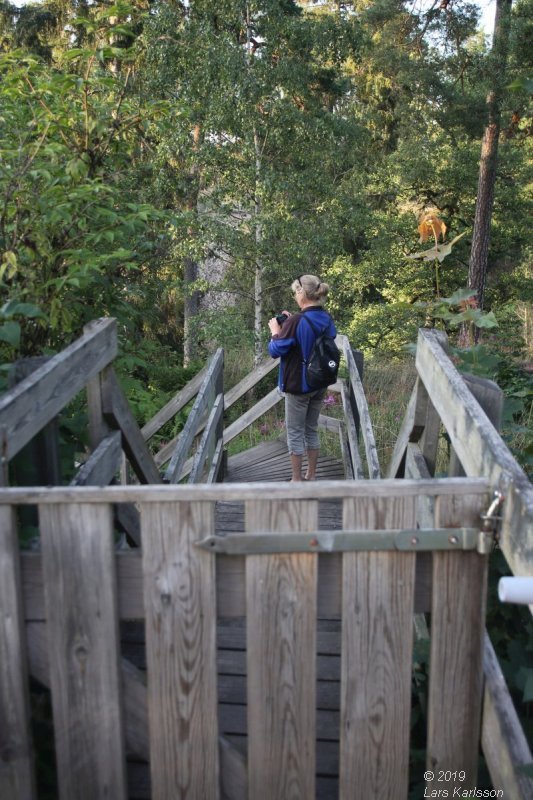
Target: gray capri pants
301,420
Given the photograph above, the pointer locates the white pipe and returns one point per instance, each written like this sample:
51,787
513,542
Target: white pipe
516,590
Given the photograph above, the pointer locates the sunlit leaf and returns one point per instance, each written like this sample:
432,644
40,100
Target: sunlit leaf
438,253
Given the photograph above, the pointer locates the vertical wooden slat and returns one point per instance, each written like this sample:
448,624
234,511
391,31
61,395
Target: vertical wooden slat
456,655
377,610
83,647
16,763
281,658
180,607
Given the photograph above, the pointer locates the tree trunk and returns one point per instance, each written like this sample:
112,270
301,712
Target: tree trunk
258,285
191,297
477,270
191,306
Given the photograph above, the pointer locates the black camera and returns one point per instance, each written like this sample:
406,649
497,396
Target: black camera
281,318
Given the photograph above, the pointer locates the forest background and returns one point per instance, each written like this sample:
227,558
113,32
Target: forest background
177,164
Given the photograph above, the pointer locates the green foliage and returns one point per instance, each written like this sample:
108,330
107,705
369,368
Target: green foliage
70,238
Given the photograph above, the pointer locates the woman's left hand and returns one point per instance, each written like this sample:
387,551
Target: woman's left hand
274,326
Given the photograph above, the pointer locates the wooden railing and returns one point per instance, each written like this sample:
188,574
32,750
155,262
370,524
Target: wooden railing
444,399
68,603
409,544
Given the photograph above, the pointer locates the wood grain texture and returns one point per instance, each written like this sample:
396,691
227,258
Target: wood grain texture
83,650
372,459
208,442
36,400
17,780
230,585
133,688
456,654
179,599
203,403
491,398
318,490
377,612
102,465
480,449
504,744
281,659
351,433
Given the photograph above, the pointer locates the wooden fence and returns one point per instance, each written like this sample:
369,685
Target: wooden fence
403,547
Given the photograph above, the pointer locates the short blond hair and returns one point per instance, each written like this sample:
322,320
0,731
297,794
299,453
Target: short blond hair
312,288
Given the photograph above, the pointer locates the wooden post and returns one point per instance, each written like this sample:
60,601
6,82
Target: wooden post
83,649
180,609
17,780
281,657
377,611
456,657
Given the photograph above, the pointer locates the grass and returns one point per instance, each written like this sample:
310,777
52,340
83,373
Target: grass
387,388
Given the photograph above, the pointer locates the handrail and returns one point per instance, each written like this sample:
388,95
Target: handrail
36,400
211,386
480,448
364,415
235,393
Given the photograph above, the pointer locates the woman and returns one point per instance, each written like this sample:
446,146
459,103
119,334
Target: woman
293,342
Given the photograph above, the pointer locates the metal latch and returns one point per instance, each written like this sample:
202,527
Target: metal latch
489,533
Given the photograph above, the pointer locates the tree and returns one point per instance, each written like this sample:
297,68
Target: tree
477,271
69,237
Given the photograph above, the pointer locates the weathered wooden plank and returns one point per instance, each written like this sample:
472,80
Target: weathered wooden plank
353,442
216,470
504,744
322,490
83,649
456,655
36,400
416,467
346,461
377,605
17,779
329,423
118,414
256,411
490,397
204,399
174,405
429,440
39,461
372,459
480,449
258,454
133,689
102,465
396,465
281,634
179,598
230,585
208,442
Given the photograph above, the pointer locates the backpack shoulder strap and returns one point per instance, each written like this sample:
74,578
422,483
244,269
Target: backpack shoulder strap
313,327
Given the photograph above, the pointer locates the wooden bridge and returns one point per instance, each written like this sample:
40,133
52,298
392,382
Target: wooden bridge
255,639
